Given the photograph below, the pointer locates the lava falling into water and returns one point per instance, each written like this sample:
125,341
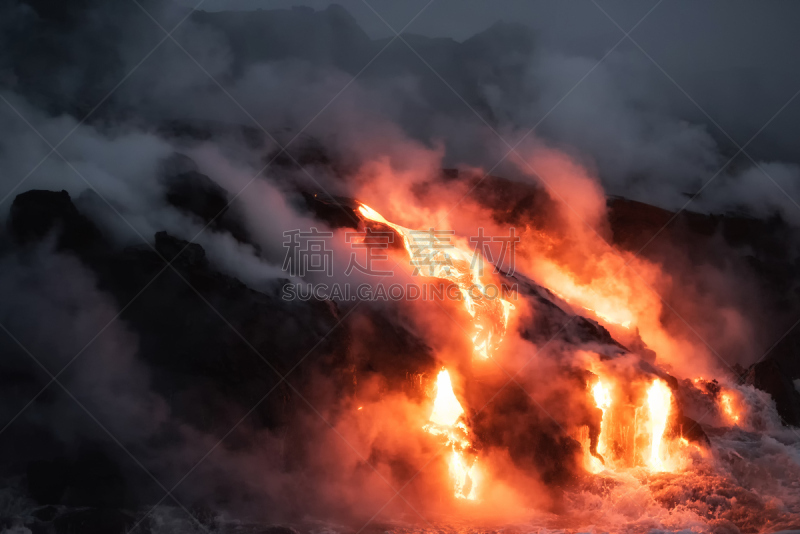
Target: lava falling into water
446,408
616,448
444,421
726,401
455,265
659,399
597,460
634,416
490,316
602,398
437,257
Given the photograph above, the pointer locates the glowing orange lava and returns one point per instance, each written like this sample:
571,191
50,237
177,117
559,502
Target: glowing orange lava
435,256
659,398
465,477
634,434
604,309
446,408
726,400
602,398
444,421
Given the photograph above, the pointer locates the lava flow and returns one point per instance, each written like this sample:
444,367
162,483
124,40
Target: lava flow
659,398
602,398
445,421
727,403
441,259
616,447
649,419
629,421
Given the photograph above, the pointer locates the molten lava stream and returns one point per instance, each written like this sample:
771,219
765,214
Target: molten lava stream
602,398
727,402
446,408
616,448
597,460
441,259
659,398
445,421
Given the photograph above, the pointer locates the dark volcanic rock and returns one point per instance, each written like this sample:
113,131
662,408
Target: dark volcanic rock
93,521
214,346
635,223
47,481
778,373
91,479
213,342
36,213
45,513
180,252
533,439
196,194
516,203
277,530
773,376
337,212
681,425
551,322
